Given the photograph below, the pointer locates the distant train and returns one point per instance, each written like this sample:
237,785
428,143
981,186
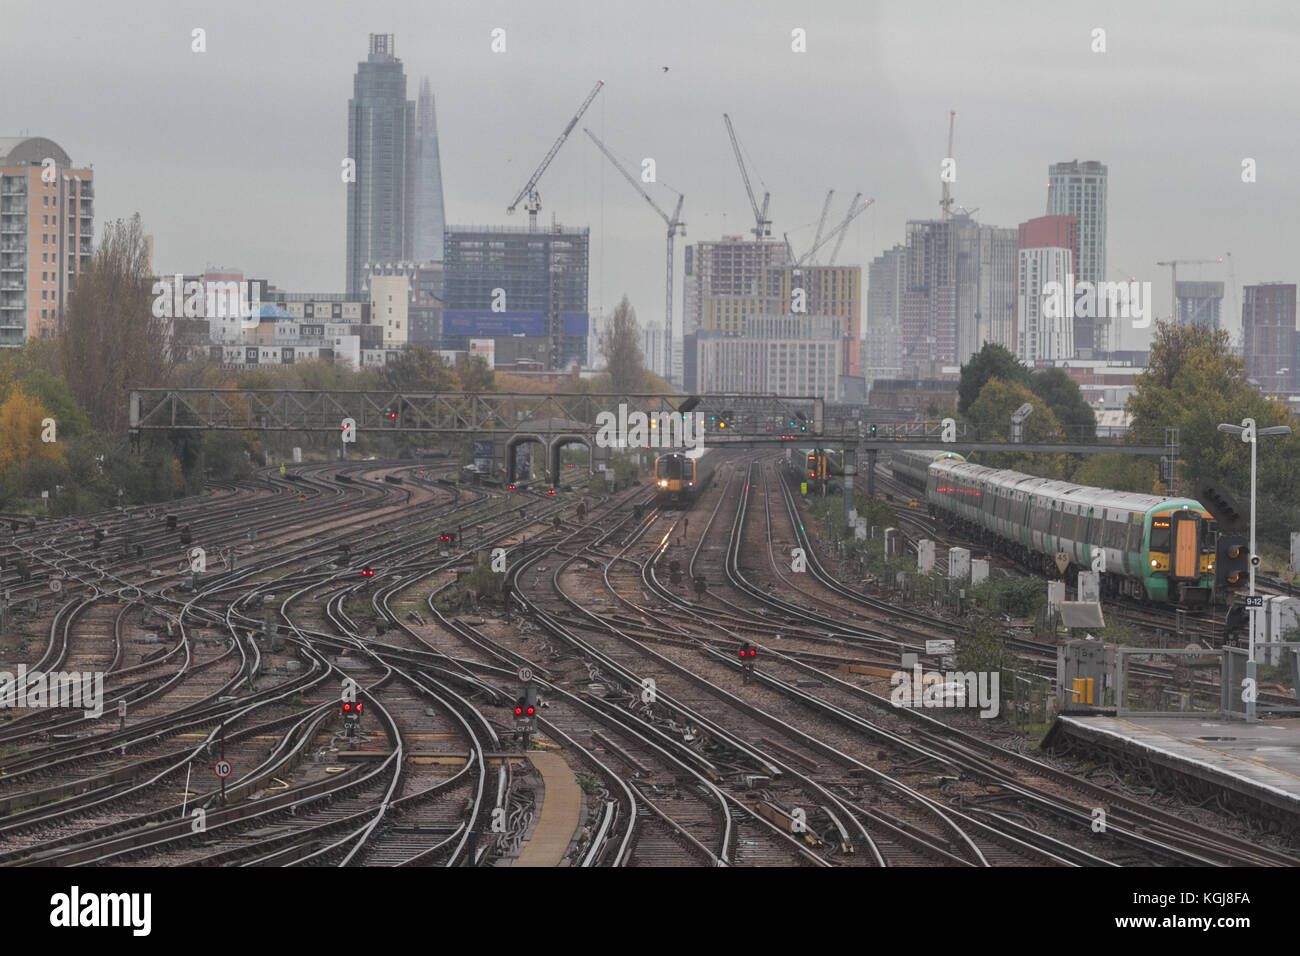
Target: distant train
1149,546
681,478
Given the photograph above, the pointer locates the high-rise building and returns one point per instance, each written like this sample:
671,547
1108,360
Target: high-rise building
992,319
381,143
47,224
1045,331
502,281
430,220
733,272
1079,190
1039,336
652,348
1198,303
959,292
882,336
1268,336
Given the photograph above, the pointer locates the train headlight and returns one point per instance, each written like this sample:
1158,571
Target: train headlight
1155,563
663,483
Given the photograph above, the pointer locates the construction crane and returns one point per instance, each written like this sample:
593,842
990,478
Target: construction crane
808,257
530,188
1173,265
842,229
762,225
946,201
674,223
821,224
1232,281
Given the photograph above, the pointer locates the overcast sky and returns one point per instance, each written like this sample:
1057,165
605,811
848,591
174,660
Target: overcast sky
232,157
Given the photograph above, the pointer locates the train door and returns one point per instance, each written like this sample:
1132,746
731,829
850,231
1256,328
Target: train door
1184,553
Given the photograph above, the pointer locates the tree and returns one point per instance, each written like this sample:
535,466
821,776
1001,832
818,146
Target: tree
53,394
1192,383
1055,387
20,433
620,344
992,411
475,374
419,369
110,339
990,362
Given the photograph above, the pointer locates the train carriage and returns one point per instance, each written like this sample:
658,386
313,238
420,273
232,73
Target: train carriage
1149,546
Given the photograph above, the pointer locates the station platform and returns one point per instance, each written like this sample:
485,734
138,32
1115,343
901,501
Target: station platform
561,813
1260,760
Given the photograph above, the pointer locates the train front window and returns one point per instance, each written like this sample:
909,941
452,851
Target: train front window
1160,534
1209,536
672,468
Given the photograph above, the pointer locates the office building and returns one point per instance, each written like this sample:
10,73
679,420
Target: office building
382,145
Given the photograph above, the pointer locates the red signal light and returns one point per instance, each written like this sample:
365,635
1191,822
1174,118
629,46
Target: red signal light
753,653
550,491
530,711
510,487
519,711
358,707
347,707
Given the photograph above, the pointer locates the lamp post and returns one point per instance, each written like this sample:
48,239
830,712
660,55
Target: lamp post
1249,434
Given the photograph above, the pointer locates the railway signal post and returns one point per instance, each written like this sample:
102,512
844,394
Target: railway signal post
1249,434
526,707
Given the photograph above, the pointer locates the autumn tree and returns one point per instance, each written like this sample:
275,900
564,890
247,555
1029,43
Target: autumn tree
110,340
620,344
475,374
22,428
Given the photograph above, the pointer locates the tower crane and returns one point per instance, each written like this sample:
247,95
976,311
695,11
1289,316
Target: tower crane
842,229
1232,281
1173,265
762,225
946,201
530,188
821,224
674,223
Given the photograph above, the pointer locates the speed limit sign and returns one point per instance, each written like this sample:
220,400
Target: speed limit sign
525,674
222,768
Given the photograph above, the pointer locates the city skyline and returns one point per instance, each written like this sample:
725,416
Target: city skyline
206,192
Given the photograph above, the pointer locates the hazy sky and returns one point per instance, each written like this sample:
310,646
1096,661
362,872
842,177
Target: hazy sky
232,156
